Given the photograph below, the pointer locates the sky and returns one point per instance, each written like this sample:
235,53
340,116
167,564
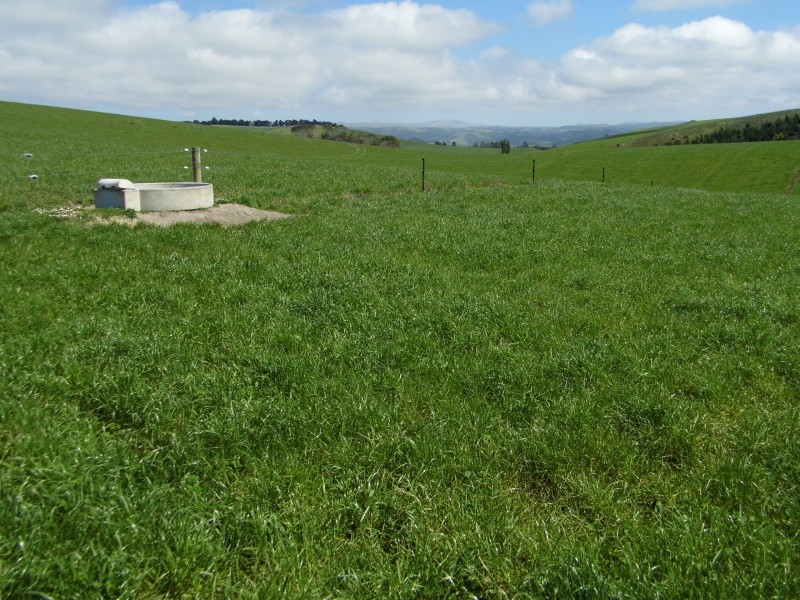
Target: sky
514,63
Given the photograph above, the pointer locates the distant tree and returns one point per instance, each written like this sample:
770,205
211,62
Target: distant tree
505,147
303,130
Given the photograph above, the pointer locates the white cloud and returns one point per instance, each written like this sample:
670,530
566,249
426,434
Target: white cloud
714,62
30,15
544,13
384,60
160,54
408,25
496,53
667,5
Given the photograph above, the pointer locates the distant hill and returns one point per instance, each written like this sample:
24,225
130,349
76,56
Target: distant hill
466,134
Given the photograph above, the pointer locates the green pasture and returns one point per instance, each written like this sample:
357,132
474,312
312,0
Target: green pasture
493,389
272,168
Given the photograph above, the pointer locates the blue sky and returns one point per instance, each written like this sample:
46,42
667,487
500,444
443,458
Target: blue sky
526,62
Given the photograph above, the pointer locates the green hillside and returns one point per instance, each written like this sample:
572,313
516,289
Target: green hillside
490,389
688,131
269,167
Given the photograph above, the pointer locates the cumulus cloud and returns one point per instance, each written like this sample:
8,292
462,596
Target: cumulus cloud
159,53
667,5
408,25
380,60
716,61
544,13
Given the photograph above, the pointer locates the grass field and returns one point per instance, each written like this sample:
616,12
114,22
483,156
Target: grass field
492,389
271,168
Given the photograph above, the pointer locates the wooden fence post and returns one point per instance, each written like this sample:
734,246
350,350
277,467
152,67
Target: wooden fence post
198,172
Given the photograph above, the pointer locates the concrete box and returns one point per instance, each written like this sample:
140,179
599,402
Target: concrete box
117,198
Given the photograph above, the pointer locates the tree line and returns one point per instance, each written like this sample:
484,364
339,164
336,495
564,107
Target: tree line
339,133
787,128
262,123
504,145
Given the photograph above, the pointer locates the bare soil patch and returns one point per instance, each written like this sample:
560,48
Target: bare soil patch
227,215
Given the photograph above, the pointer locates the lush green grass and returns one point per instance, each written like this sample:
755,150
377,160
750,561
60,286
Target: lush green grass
491,389
270,168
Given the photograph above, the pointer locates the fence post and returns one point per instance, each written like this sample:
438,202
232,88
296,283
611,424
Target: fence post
533,172
198,172
423,174
604,174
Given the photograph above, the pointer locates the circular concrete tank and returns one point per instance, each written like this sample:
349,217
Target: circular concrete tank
175,196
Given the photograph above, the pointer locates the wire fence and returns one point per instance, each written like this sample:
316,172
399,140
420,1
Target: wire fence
69,164
78,168
82,169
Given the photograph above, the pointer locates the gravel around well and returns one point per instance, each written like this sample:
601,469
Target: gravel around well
227,215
